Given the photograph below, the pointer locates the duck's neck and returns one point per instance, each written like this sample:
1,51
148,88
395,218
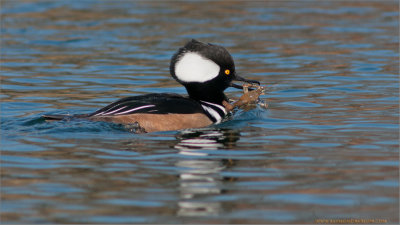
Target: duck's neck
206,94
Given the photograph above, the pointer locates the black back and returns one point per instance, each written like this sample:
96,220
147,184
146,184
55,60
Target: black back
151,103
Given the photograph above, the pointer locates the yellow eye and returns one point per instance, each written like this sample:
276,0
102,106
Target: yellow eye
227,72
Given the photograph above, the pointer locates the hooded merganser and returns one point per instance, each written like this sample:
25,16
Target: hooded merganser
205,70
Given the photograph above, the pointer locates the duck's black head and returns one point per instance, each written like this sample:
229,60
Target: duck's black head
205,70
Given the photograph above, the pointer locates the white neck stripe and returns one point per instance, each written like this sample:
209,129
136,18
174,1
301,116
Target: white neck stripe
213,113
219,106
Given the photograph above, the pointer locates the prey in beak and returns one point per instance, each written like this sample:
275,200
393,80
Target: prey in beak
249,96
252,83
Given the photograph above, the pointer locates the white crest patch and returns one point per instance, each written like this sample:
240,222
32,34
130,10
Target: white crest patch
193,67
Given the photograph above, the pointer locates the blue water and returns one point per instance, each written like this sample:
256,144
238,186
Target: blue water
327,146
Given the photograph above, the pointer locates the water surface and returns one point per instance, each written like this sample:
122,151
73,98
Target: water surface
326,148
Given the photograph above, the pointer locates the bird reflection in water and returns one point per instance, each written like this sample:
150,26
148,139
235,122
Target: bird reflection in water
201,178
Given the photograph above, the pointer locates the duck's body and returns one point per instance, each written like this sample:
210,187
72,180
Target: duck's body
156,112
205,70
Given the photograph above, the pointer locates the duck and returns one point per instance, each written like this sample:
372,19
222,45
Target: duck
205,70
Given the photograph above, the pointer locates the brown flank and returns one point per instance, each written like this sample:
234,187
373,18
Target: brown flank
159,122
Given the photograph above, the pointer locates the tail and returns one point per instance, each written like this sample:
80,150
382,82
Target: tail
57,117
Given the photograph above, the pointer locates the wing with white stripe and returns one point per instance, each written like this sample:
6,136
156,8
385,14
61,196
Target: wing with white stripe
151,103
